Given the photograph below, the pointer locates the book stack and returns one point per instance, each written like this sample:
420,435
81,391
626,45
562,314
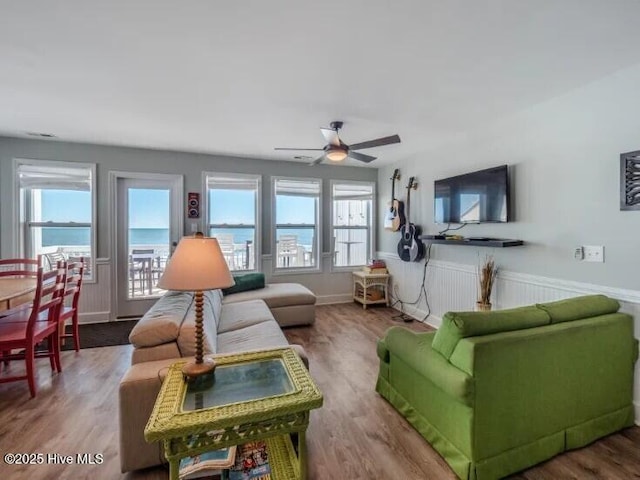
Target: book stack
376,266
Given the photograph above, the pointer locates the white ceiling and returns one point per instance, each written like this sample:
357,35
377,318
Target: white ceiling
242,77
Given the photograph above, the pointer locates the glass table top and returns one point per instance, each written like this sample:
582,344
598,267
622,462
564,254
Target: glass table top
241,382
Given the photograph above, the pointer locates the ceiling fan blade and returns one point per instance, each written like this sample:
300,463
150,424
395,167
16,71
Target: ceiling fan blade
378,142
307,149
331,136
361,156
317,161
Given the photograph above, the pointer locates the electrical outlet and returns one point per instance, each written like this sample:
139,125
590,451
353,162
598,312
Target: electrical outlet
593,253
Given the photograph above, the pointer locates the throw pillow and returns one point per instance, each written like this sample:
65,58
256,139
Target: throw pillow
247,281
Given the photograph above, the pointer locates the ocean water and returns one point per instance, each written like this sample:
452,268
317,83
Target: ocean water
54,236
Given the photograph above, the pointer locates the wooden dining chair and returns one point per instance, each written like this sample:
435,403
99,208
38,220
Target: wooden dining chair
70,300
21,274
20,267
21,329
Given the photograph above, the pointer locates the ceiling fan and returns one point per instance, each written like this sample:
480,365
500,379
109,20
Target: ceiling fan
336,150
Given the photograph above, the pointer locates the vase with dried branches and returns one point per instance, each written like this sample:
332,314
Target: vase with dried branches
487,272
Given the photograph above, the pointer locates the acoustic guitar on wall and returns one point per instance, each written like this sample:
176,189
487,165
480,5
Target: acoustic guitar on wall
394,219
410,247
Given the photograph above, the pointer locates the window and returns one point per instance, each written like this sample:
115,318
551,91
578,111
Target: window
352,217
57,211
233,211
297,223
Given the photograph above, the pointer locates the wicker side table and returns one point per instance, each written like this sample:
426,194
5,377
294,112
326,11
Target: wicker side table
255,396
371,288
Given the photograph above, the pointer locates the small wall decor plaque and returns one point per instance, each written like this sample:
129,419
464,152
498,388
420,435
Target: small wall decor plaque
193,208
630,181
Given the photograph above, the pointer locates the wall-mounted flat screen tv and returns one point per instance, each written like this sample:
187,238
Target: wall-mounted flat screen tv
476,197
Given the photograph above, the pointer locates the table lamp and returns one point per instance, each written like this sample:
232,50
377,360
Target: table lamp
196,265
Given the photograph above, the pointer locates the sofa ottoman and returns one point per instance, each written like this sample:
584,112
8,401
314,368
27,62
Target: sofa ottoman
290,303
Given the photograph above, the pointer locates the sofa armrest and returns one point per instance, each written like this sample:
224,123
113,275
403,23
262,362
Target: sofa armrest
137,395
416,351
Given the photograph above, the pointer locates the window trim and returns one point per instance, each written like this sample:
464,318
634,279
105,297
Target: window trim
206,226
274,251
18,245
372,226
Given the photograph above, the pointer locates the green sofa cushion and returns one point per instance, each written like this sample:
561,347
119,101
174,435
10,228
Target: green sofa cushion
247,281
457,325
579,308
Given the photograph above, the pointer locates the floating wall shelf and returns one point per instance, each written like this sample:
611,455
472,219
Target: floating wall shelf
471,242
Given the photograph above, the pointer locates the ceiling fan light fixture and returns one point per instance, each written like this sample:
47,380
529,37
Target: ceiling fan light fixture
336,154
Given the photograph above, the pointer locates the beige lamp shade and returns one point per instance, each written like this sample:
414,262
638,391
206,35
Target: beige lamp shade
197,264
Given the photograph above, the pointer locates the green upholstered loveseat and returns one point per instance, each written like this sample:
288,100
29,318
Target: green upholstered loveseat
497,392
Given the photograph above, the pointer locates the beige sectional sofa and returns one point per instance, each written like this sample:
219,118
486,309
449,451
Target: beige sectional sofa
237,322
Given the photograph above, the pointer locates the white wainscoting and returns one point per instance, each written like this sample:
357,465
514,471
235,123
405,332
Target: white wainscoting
452,286
329,287
95,300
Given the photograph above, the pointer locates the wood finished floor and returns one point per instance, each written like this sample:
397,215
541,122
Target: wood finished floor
356,434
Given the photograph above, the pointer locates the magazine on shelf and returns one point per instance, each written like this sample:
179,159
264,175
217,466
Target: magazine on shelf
207,464
252,462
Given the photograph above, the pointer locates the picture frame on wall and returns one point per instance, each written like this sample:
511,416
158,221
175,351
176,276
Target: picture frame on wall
630,180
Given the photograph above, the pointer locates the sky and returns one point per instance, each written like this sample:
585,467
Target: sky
66,206
148,208
239,207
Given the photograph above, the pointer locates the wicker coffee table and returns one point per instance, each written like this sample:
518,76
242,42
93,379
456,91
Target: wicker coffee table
263,395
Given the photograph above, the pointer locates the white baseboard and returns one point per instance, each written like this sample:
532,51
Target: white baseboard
94,317
419,314
637,408
331,299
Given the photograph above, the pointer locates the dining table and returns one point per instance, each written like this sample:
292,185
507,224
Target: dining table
15,291
146,260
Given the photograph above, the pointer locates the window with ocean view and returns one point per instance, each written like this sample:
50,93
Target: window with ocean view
352,218
297,223
56,210
233,210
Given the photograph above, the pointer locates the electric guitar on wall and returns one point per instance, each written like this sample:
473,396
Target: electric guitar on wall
410,247
394,219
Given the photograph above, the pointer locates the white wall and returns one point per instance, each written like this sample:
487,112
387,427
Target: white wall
564,156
